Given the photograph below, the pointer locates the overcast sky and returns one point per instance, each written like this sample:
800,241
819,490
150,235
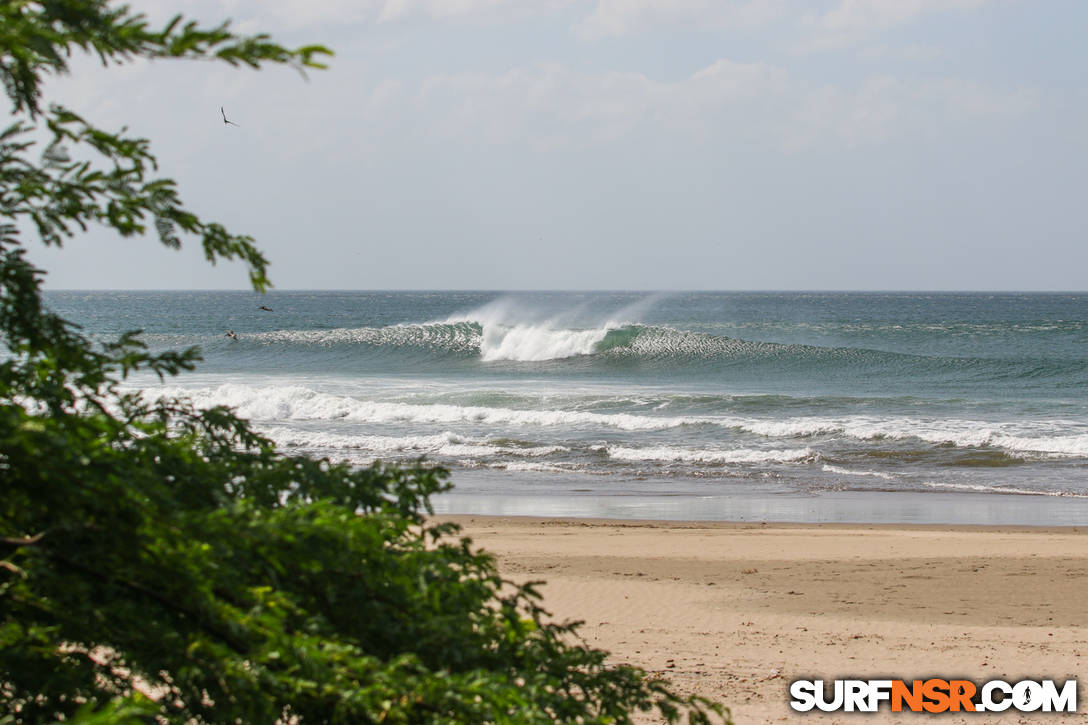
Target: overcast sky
620,144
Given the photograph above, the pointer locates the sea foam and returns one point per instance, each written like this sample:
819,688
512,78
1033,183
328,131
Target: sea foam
1057,438
689,455
447,443
511,332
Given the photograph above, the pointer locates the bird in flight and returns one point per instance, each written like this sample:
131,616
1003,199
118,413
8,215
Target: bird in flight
230,123
231,335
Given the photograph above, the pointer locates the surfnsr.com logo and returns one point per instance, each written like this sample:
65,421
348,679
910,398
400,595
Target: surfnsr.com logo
934,695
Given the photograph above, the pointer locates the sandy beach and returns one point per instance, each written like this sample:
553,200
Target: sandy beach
736,612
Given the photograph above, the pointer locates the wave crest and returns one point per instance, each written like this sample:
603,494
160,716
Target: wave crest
1040,439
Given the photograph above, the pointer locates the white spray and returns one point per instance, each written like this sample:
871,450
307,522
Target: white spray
510,331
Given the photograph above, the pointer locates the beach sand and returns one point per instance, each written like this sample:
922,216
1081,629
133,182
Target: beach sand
735,612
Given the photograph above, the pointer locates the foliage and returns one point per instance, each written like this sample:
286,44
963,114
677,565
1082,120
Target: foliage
163,563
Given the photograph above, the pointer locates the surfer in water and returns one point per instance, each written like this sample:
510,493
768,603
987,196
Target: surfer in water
266,309
231,335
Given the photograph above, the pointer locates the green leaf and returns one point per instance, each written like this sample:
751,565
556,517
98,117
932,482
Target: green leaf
150,547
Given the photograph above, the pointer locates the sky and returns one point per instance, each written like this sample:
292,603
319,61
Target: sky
617,145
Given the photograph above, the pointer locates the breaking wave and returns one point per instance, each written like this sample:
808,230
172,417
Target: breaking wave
688,455
534,342
447,443
272,403
459,342
982,488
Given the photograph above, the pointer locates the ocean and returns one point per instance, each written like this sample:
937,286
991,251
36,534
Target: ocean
879,407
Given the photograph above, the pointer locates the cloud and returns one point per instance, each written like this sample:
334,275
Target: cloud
833,25
865,15
442,9
853,21
286,15
725,103
551,104
914,52
275,16
885,109
624,17
842,23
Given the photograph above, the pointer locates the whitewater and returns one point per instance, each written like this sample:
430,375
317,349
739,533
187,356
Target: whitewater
592,401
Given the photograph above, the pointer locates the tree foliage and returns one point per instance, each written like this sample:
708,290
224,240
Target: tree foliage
161,563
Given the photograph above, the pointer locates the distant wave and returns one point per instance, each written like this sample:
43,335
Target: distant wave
463,337
520,343
503,330
530,342
534,342
510,332
636,346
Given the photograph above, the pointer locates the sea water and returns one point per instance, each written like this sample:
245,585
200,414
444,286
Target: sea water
796,406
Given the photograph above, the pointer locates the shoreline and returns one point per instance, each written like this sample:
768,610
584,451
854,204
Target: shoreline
477,494
697,524
736,611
